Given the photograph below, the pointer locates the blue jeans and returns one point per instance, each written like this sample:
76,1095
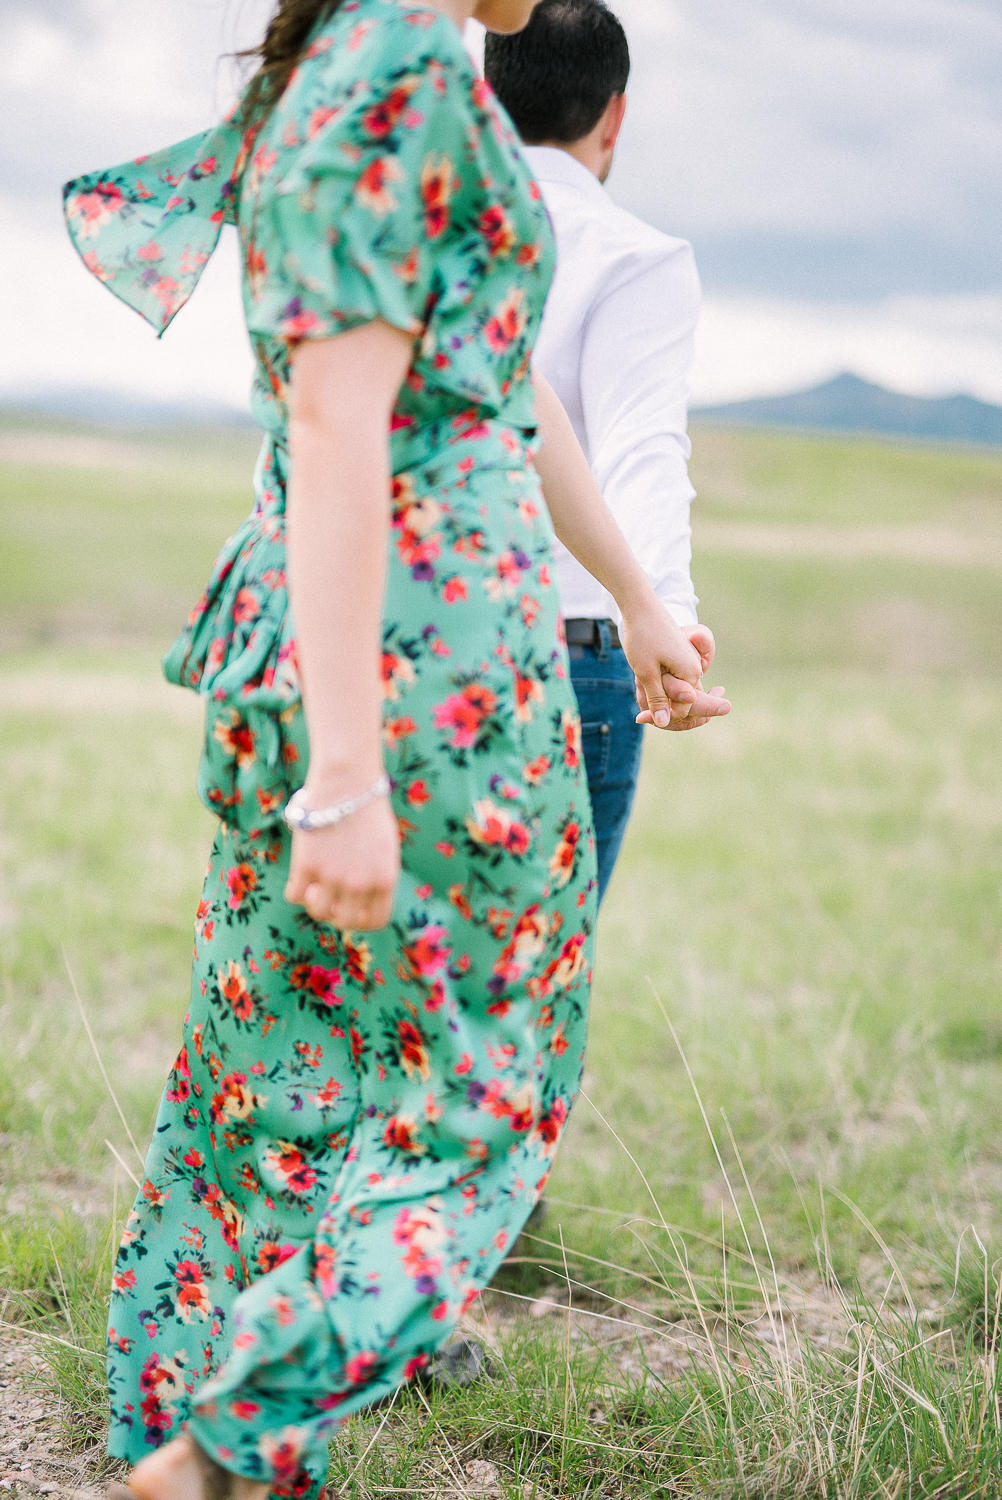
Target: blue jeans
603,682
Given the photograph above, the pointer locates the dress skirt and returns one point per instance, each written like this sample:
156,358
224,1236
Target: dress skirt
357,1125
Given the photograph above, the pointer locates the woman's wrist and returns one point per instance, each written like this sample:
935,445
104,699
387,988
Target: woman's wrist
303,817
641,606
634,594
331,780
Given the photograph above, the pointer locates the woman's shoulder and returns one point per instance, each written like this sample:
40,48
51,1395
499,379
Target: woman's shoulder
367,44
380,78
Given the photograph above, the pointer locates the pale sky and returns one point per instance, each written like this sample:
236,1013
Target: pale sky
836,164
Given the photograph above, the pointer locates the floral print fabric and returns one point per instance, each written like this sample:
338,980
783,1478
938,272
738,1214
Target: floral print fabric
148,228
385,185
357,1126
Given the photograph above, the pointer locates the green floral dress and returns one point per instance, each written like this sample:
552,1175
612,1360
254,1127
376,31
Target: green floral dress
357,1126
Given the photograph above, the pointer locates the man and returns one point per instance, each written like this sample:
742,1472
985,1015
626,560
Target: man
616,344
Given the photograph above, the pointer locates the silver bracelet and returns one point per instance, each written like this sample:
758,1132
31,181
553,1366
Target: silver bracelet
306,819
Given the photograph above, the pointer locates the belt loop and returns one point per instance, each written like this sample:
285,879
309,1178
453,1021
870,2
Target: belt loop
604,639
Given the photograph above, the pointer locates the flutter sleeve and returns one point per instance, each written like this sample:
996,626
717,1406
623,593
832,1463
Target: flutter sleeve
147,228
356,226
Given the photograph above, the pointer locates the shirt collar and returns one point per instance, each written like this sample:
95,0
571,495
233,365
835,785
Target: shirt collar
551,164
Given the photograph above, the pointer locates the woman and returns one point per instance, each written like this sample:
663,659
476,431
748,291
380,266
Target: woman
357,1126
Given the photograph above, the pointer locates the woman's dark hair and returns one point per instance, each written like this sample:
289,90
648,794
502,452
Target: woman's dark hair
556,77
284,44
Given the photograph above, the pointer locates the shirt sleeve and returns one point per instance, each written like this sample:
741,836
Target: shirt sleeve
636,358
354,227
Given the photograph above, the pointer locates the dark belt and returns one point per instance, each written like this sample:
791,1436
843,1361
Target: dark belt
585,632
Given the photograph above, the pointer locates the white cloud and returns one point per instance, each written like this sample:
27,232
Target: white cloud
811,118
85,84
35,51
797,142
91,82
861,118
60,328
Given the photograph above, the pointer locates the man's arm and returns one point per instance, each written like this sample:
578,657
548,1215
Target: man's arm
665,663
636,357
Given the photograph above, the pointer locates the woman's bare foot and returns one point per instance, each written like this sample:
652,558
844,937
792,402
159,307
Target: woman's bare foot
181,1471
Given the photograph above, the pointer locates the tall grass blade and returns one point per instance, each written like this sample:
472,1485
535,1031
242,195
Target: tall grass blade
118,1157
50,1338
67,1311
713,1142
100,1063
885,1248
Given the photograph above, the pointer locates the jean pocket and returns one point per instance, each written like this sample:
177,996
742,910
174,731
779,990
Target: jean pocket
596,738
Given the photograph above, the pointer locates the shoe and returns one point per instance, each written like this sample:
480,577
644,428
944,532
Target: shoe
457,1365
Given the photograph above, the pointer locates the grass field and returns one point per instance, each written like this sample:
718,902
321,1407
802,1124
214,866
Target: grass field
806,917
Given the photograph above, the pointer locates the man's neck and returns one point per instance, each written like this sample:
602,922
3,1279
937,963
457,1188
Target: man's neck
587,151
596,149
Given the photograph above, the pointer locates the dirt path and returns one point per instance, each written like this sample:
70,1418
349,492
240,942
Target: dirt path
56,690
35,1458
68,450
925,544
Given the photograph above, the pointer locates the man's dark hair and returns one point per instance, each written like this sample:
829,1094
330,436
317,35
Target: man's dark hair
556,77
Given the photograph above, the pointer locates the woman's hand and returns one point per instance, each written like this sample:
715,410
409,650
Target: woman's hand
346,875
668,664
686,715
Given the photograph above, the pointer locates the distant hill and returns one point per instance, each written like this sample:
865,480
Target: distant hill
121,408
845,404
848,404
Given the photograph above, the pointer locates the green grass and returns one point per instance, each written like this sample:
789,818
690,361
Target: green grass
768,477
809,897
112,554
835,606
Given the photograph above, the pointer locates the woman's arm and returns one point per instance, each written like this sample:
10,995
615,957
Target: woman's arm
668,667
340,402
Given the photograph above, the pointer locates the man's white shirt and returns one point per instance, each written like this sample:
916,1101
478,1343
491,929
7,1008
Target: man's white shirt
616,344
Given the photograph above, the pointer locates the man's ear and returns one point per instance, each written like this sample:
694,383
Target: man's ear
612,122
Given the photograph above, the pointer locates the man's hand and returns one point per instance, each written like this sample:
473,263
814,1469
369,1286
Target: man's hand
691,707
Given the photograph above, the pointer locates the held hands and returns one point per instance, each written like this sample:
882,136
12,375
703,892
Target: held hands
668,663
346,875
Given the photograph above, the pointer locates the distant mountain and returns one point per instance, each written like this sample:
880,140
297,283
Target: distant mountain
845,404
848,404
121,408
